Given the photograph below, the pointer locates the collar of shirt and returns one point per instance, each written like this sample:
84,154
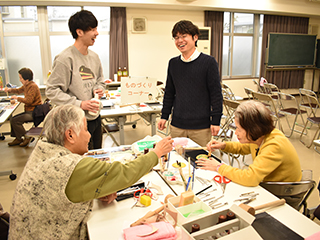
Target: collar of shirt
194,56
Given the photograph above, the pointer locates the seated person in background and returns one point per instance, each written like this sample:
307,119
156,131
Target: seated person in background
274,157
32,98
55,192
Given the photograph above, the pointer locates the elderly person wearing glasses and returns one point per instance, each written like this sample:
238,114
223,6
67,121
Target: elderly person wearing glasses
274,157
54,195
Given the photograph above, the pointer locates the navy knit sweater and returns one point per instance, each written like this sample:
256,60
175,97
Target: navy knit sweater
193,92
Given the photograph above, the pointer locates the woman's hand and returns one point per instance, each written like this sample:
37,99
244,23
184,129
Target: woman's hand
208,164
213,145
108,199
14,97
164,146
7,90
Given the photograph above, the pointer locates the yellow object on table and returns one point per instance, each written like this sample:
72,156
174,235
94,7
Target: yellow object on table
177,166
145,200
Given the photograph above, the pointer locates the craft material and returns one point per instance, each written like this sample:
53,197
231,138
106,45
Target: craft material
151,185
154,229
230,215
177,166
186,198
188,184
222,218
252,210
213,201
145,200
194,213
202,156
203,190
152,213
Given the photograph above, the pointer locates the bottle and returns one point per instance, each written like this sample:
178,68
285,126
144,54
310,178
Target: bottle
119,74
125,72
96,99
1,81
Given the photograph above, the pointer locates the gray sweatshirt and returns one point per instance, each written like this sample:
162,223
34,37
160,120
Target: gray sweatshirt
74,77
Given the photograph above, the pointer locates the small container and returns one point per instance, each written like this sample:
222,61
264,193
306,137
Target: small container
195,227
222,218
230,216
96,99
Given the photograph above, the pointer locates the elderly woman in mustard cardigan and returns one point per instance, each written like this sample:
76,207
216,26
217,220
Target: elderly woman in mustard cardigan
274,157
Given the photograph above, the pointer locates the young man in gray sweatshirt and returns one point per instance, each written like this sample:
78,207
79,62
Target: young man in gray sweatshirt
77,74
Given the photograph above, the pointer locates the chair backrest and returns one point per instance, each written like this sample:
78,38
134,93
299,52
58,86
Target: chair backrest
226,90
271,88
314,105
40,112
303,93
287,101
248,91
260,88
267,100
295,193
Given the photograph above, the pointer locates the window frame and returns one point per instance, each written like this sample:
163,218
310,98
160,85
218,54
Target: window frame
255,62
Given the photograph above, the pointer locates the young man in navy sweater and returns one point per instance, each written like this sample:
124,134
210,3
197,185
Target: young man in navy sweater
193,89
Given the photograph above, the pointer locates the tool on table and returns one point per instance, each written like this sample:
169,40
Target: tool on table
252,210
152,213
213,201
203,181
141,192
222,181
218,205
203,190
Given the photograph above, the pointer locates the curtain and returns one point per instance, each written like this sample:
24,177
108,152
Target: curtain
215,21
282,24
118,40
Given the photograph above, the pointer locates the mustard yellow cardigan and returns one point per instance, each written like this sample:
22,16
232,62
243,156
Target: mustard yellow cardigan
277,160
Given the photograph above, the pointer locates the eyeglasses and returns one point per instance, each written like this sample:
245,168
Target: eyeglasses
183,37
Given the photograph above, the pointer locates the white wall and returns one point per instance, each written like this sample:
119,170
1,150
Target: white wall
150,52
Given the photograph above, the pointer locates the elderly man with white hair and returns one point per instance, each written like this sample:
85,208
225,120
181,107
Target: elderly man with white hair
55,192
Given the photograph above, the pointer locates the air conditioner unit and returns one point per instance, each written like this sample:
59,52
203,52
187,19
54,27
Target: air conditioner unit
204,40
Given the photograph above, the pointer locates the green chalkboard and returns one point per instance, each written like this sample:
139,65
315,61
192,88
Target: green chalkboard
291,50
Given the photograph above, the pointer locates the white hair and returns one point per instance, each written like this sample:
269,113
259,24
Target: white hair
60,119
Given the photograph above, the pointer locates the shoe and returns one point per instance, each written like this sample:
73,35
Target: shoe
25,142
15,142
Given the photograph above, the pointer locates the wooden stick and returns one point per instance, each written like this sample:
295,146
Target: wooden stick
209,154
196,148
145,217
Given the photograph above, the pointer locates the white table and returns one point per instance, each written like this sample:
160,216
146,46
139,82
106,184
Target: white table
108,221
119,114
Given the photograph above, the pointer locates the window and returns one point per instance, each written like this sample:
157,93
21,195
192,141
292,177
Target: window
241,45
21,41
25,31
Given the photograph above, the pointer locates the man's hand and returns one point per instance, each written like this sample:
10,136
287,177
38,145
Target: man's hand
109,198
99,92
162,124
90,105
214,130
14,97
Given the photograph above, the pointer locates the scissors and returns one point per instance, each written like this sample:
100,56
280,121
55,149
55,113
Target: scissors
222,181
142,191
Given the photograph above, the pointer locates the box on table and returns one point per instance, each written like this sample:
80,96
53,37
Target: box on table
191,209
209,227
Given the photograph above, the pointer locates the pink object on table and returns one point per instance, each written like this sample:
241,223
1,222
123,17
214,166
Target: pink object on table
180,141
165,231
314,236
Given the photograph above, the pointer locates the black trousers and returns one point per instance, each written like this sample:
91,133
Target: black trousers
94,128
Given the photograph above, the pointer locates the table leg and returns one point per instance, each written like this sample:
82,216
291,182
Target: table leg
153,124
121,129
